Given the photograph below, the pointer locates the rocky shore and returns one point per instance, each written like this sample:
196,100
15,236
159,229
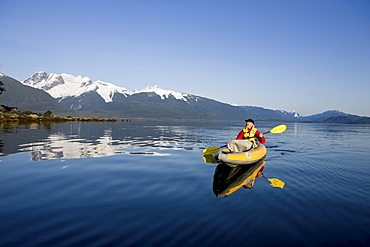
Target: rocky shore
13,115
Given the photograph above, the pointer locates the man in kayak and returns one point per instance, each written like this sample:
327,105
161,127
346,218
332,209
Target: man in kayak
247,138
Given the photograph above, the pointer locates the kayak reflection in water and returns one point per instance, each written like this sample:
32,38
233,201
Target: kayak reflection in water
247,139
227,179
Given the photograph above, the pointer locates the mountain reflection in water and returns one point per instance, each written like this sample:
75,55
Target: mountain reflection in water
81,140
60,147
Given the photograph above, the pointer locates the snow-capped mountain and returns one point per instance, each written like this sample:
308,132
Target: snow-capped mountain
79,96
82,94
106,99
66,85
28,98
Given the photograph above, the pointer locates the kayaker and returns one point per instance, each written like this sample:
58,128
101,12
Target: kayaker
247,139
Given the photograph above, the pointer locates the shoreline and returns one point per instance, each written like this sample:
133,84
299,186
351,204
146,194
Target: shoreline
13,115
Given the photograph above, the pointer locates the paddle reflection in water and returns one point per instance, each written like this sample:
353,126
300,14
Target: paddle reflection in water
228,179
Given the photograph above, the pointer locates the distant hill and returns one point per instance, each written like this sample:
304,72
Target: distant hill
348,119
27,98
324,116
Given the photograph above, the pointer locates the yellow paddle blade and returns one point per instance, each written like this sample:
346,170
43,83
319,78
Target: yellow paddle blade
210,150
278,129
276,182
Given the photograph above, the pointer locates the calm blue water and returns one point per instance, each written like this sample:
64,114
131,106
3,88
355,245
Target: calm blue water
144,183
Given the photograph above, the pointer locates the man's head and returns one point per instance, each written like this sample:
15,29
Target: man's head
249,123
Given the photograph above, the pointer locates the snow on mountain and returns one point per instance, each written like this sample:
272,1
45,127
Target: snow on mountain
164,94
66,85
107,90
294,113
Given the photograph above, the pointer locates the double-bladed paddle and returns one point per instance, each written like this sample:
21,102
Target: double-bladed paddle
278,129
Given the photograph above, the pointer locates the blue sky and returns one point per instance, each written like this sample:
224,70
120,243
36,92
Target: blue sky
307,56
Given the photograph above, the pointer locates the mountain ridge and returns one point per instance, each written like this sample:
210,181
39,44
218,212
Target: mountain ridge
150,102
80,93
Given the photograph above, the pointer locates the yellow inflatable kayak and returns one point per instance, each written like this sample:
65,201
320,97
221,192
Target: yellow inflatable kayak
241,158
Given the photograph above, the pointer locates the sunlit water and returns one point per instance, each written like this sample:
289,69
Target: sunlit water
144,183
